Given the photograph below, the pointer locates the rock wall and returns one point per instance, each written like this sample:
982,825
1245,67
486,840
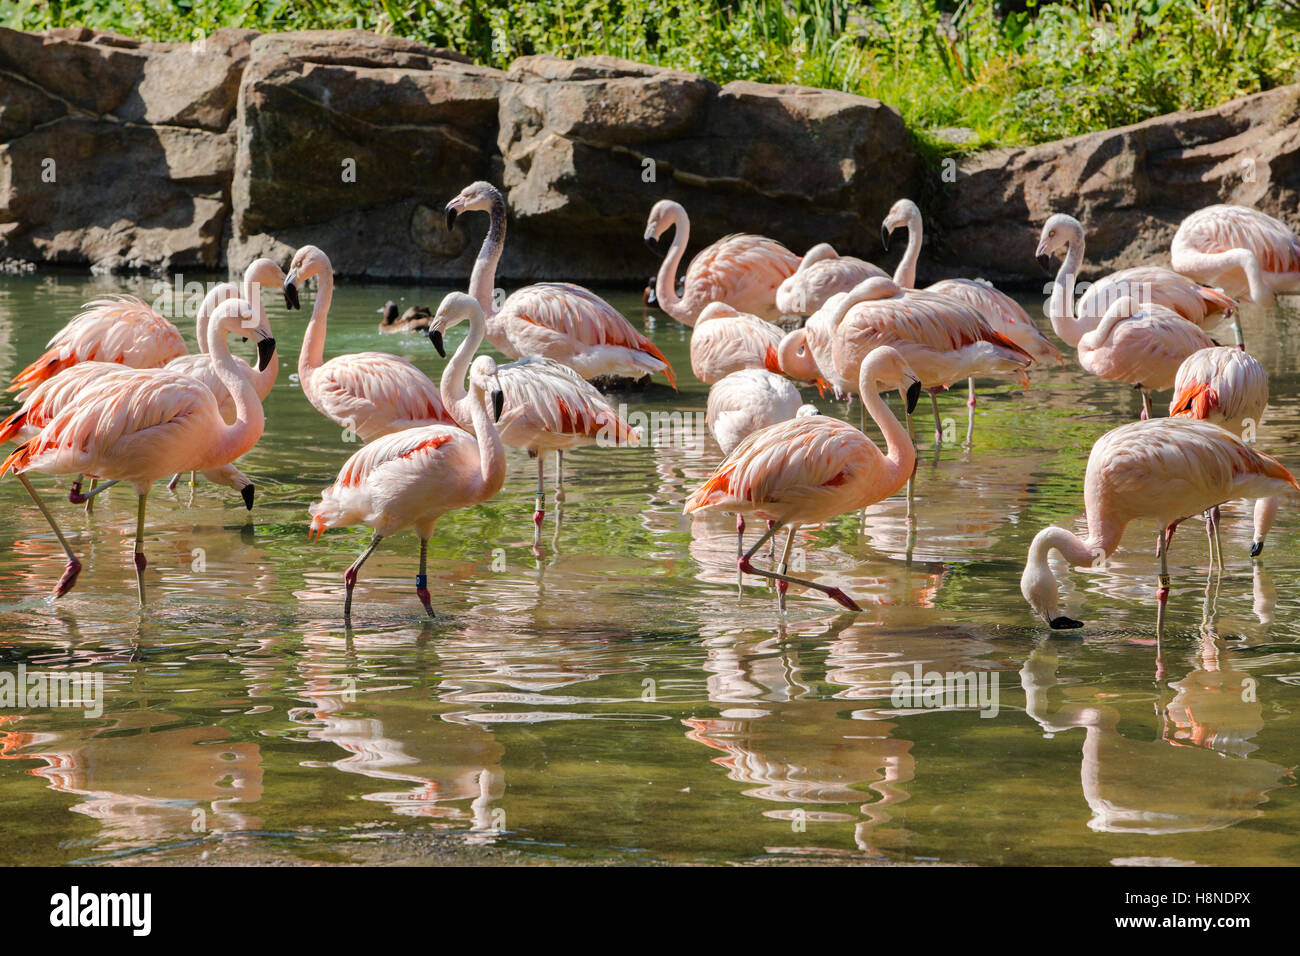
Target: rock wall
124,155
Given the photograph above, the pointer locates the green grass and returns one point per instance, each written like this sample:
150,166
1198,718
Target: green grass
1010,76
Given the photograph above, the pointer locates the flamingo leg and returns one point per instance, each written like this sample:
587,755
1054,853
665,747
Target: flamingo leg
539,510
1146,405
559,476
970,411
138,554
194,479
90,498
1237,334
422,579
748,568
1218,544
74,566
740,553
350,575
171,485
938,428
782,586
76,497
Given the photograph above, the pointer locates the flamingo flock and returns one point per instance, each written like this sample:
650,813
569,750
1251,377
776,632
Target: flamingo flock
116,397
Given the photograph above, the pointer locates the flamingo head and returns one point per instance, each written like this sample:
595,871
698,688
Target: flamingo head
664,214
483,380
1038,583
480,195
804,411
903,213
884,365
237,317
455,308
262,272
1059,230
307,262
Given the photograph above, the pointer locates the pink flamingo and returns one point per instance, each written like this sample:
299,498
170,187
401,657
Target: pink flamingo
821,274
411,478
742,270
1226,386
548,406
811,469
942,339
556,320
806,353
1143,346
1165,468
725,341
1002,313
120,329
1147,285
138,425
1242,250
370,393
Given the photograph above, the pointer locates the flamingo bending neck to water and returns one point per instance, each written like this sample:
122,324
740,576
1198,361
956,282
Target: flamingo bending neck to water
822,273
1243,250
809,470
742,270
726,341
1164,468
370,393
556,320
411,478
139,425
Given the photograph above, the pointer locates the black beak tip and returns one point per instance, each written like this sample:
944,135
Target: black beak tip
1045,263
246,493
451,218
265,350
291,296
652,244
1064,623
1256,549
884,237
498,403
435,337
913,396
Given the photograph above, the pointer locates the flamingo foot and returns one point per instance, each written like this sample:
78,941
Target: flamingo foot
842,598
74,494
69,578
422,592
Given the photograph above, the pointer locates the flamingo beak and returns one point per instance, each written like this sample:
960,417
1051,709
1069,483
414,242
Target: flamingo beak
498,403
884,236
1045,262
290,287
1063,623
435,336
1256,549
265,351
246,493
913,395
452,212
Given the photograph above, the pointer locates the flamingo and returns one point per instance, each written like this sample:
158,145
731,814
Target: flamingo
556,320
1002,313
1141,345
1228,387
137,425
370,393
811,469
821,274
119,328
1241,249
806,353
411,478
725,341
1163,468
942,339
1148,285
548,406
742,270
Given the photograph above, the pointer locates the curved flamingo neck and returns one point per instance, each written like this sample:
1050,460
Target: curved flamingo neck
1061,308
312,355
905,274
1079,552
482,281
666,280
899,450
1098,337
237,438
796,358
216,295
452,383
491,453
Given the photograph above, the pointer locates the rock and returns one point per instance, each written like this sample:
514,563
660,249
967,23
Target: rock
590,145
353,142
1130,187
116,154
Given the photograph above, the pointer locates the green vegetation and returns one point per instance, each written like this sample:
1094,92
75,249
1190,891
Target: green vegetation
1010,75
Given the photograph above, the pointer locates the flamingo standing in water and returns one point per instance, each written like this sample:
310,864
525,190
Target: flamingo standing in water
725,341
821,274
1002,313
370,393
138,425
120,329
742,270
556,320
548,406
1164,468
811,469
1242,250
1228,387
411,478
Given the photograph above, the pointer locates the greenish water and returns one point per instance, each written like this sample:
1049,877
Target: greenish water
614,700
